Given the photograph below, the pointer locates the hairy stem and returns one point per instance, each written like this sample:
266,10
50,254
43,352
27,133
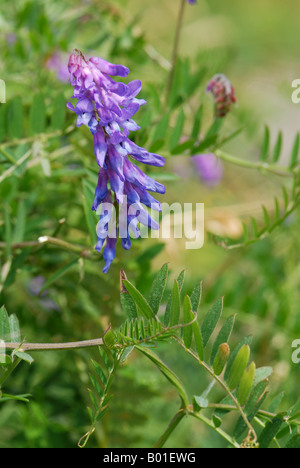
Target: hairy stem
263,166
54,241
52,346
223,385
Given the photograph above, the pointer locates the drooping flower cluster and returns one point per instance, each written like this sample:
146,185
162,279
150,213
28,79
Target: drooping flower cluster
223,93
107,108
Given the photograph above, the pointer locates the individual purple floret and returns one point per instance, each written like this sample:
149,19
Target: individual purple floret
107,107
209,167
58,62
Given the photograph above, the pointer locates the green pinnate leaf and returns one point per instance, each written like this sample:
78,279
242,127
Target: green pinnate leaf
198,340
196,297
175,305
210,320
128,304
143,306
188,316
270,431
4,325
158,288
293,442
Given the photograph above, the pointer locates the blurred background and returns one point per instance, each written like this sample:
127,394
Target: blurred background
255,44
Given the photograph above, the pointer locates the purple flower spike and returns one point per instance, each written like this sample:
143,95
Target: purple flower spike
106,107
209,167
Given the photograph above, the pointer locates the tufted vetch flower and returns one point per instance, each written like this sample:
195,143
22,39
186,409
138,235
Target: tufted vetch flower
107,108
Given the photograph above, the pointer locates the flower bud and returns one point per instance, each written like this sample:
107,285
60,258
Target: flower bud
238,367
221,358
223,93
246,383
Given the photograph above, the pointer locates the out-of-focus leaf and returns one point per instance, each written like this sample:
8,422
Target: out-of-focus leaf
15,118
37,115
178,129
58,274
265,145
295,151
277,148
173,379
59,112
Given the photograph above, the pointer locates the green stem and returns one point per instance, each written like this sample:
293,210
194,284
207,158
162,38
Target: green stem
171,427
258,165
60,243
8,156
175,48
41,136
219,431
222,384
15,165
52,346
